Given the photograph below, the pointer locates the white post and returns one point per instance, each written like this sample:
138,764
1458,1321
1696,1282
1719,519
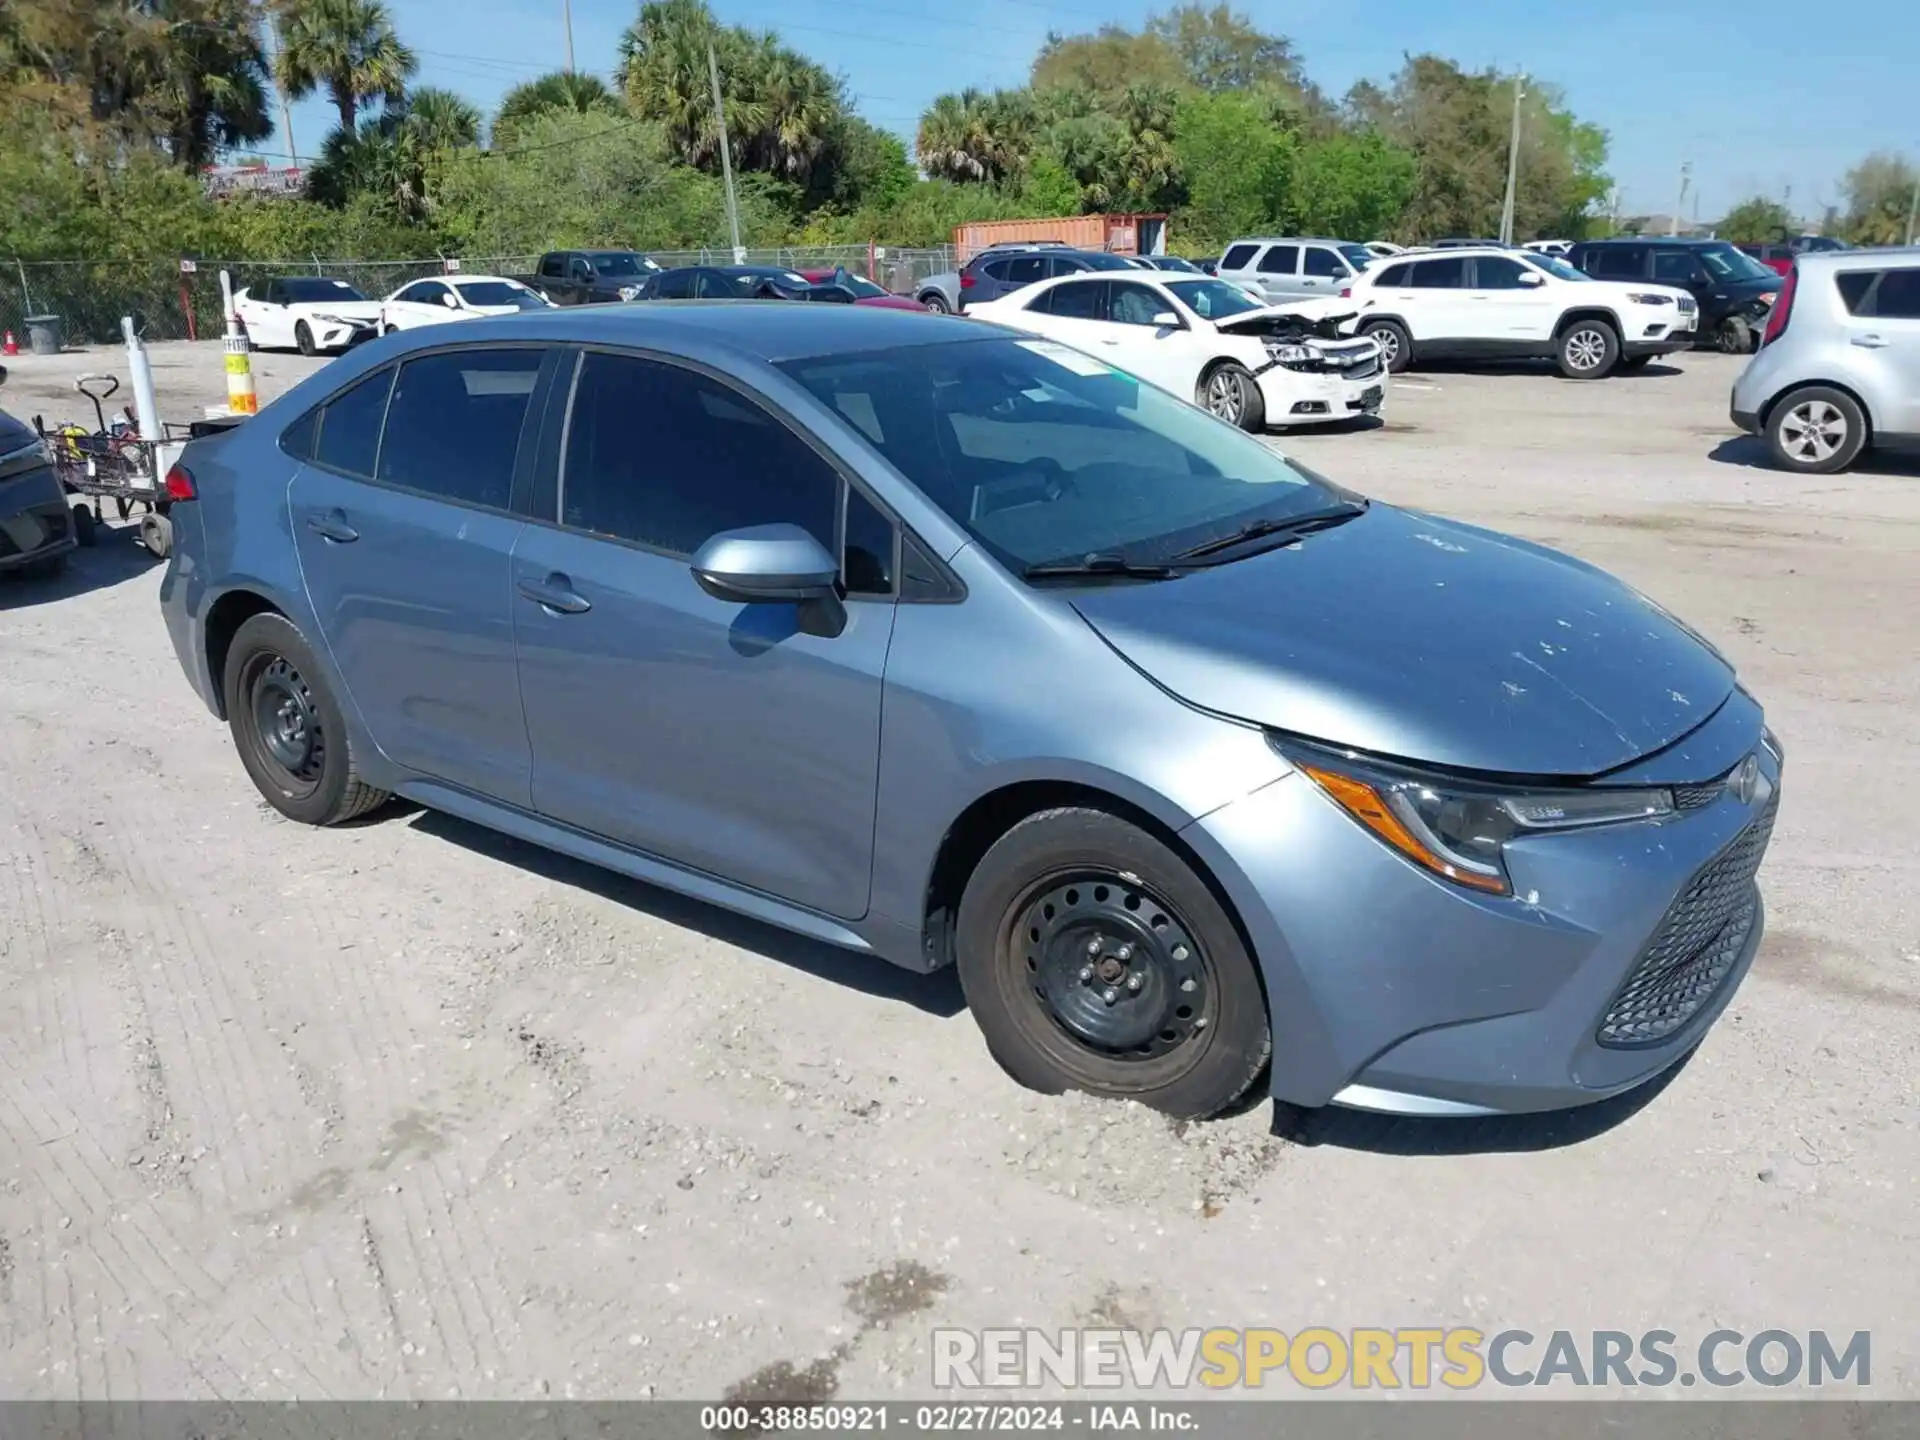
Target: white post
1913,210
726,160
1513,167
146,411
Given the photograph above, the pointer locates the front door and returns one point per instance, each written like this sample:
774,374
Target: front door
1508,304
1163,355
1278,273
404,532
718,735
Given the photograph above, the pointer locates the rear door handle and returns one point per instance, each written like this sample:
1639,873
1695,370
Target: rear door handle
332,524
556,593
1869,342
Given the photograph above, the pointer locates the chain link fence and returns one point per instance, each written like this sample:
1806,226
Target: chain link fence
89,298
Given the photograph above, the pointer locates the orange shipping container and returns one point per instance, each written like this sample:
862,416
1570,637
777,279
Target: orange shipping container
1122,234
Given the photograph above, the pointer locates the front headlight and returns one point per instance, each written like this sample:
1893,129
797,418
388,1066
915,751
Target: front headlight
1646,298
1290,354
627,292
1459,829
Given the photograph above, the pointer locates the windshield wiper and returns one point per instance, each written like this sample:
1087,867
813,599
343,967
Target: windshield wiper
1259,529
1100,562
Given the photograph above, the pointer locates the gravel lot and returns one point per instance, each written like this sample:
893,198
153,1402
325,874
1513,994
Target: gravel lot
404,1109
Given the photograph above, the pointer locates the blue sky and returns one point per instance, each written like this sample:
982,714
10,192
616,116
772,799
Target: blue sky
1755,93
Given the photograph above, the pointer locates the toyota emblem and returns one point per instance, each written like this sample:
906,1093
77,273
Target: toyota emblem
1745,782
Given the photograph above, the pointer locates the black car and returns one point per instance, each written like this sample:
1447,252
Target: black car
1734,290
590,277
741,282
37,530
996,272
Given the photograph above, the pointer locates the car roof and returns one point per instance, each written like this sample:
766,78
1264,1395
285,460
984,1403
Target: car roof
756,329
1291,240
1860,257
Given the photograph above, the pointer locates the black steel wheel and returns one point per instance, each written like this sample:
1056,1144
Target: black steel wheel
290,733
1094,958
85,533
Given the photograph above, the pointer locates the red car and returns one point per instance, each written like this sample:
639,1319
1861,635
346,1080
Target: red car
1779,256
865,292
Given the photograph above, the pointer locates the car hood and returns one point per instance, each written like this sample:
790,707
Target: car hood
1419,638
1312,310
14,434
890,302
368,310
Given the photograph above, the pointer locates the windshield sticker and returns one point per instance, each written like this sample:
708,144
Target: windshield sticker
1066,359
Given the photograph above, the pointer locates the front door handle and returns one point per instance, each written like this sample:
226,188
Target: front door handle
1869,342
332,525
556,593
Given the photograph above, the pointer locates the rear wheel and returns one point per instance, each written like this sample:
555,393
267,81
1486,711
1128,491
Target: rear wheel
1396,346
288,727
1095,959
1229,391
1816,430
84,531
936,302
1588,350
156,533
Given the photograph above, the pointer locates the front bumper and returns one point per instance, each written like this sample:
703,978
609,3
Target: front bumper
342,336
1391,989
1309,397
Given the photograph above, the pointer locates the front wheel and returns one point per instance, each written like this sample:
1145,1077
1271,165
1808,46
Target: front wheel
1588,350
156,533
1396,346
1733,336
303,338
85,532
1229,391
288,728
1816,430
1095,959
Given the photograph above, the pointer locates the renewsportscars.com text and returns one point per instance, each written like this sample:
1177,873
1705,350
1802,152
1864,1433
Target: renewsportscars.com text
1410,1358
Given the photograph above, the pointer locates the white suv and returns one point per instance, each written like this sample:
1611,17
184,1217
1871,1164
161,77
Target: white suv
1490,303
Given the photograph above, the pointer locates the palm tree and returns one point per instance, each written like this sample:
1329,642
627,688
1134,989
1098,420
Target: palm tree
562,90
442,120
347,48
798,104
952,141
381,159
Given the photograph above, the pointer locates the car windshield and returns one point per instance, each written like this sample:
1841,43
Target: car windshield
1104,261
499,292
621,263
1174,262
1045,455
1358,256
308,290
858,284
1727,263
1213,299
749,280
1553,265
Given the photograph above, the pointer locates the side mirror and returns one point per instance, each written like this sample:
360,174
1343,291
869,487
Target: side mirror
448,301
1532,277
766,564
1167,320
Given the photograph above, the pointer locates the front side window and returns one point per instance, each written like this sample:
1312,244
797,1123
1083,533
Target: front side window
500,292
580,270
1675,267
1238,257
1448,274
453,425
1280,260
429,292
1395,275
1496,272
1135,304
350,426
313,290
1042,453
674,285
668,458
1323,264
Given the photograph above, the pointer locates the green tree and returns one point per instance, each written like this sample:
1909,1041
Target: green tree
1237,166
1353,186
1878,194
442,120
1106,61
1755,221
955,141
1220,49
560,90
382,161
347,48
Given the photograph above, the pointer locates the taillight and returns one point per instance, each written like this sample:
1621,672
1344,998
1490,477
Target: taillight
1782,308
966,281
1346,292
180,484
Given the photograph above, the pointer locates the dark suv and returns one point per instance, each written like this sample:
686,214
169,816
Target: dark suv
1735,291
993,273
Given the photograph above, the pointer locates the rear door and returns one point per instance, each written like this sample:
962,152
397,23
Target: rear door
718,735
1884,326
1277,272
403,522
1323,271
263,311
1434,303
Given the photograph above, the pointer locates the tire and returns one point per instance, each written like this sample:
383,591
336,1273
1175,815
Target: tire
49,568
1816,430
1733,336
156,533
1396,345
86,531
1588,350
1229,392
936,302
306,771
303,338
1633,364
1081,878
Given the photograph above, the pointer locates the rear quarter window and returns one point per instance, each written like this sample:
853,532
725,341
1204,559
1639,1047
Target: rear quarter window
297,439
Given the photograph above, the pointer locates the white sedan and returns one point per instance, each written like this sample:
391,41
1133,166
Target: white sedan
1207,341
464,297
308,313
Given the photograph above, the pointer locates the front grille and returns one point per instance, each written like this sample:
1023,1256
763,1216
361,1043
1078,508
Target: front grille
1695,948
1366,369
1692,797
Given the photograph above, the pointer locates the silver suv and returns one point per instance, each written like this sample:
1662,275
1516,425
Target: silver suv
1838,369
1282,268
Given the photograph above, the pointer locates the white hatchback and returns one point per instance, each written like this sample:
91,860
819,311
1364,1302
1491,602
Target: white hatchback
457,297
1206,341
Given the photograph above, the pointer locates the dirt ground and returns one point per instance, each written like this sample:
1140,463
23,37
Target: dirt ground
405,1109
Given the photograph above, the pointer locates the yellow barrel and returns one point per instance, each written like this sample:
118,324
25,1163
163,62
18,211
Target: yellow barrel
240,397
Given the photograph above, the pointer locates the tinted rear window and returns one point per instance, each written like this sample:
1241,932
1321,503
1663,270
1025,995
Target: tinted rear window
1280,260
1898,296
1450,274
350,425
1238,257
453,427
1853,286
1394,275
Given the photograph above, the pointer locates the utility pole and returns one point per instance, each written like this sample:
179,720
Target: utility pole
1913,210
1513,164
286,116
726,160
1686,175
566,18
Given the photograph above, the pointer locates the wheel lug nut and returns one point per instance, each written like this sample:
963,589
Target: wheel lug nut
1086,974
1179,952
1134,982
1110,995
1201,1023
1125,952
1093,946
1188,986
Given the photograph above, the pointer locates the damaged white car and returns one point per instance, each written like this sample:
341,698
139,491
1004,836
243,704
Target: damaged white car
1207,341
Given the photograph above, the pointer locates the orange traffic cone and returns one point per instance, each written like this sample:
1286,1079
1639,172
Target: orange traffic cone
11,346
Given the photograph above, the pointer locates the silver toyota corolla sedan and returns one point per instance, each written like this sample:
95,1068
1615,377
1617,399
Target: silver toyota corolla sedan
962,648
